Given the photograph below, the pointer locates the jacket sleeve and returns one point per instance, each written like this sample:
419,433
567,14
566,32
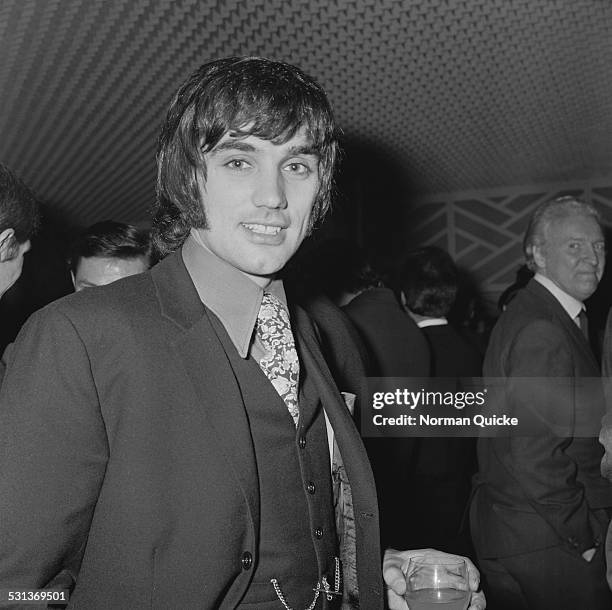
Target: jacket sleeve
540,365
606,356
53,453
605,437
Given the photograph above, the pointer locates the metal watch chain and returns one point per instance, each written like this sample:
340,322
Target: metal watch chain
323,586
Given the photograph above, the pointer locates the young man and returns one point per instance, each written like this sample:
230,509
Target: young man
106,252
176,430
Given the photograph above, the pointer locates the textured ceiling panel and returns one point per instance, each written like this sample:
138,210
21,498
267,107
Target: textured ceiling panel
458,94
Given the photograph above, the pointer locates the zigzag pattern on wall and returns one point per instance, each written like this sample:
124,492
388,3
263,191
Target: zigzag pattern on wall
484,232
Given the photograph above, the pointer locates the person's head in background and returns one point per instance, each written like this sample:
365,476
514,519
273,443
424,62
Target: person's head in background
108,251
428,283
564,243
19,220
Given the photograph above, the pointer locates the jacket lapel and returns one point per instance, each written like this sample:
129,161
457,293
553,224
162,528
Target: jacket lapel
347,436
349,442
570,327
199,351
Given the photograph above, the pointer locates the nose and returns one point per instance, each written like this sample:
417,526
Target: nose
593,255
269,190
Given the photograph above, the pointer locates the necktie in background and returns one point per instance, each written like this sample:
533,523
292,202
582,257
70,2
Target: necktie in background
583,324
280,364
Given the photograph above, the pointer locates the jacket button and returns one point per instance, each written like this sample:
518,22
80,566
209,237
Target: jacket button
247,560
302,442
318,533
311,487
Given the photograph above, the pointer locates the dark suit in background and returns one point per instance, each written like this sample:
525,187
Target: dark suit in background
605,437
394,342
396,348
445,466
343,348
451,354
428,283
540,501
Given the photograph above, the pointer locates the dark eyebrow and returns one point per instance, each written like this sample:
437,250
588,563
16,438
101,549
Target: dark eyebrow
239,145
304,149
233,145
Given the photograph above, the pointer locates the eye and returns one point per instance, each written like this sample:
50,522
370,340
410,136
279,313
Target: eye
298,168
600,247
237,164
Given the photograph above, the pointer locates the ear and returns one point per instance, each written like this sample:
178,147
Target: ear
7,245
73,278
403,299
539,256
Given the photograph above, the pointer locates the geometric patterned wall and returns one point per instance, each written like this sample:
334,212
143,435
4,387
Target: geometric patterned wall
483,232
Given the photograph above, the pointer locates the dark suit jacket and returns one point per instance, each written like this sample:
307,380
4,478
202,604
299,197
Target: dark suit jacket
396,348
395,344
125,442
342,347
538,491
444,466
452,357
605,436
451,354
344,351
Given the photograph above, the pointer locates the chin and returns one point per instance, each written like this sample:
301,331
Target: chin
586,293
264,270
266,265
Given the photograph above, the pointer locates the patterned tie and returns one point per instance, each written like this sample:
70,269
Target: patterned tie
280,364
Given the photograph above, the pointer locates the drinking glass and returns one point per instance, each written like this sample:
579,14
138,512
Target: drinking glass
433,583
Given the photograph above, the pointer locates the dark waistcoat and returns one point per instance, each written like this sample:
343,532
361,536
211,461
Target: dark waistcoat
298,543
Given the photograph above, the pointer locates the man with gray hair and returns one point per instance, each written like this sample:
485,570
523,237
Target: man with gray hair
19,219
540,509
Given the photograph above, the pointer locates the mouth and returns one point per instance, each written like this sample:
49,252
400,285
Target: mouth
262,229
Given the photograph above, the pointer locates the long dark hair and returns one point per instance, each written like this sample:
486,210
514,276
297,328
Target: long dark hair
246,95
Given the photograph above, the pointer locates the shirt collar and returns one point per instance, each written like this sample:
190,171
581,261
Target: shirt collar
572,306
227,292
432,322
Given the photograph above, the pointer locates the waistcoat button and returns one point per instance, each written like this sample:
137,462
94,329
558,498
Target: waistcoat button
318,533
247,560
311,487
302,442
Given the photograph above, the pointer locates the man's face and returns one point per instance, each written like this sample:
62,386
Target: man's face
99,271
10,269
257,198
573,255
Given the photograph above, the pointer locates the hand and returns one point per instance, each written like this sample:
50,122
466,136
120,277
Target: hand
395,562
